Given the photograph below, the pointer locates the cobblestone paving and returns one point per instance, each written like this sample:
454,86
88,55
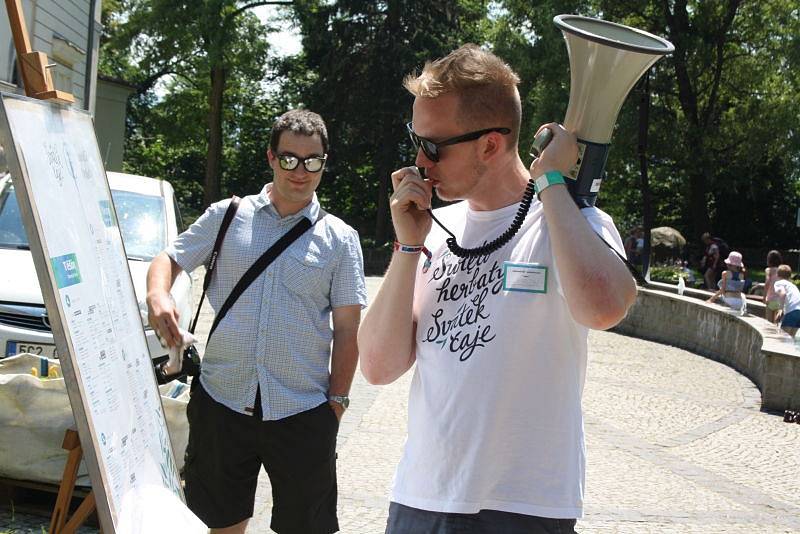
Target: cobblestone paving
675,444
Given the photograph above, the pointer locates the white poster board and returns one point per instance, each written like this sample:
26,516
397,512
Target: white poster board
87,288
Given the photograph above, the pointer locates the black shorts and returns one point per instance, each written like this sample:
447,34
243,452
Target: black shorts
227,449
406,520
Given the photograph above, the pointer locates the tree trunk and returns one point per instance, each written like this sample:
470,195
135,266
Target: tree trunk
647,203
700,121
386,152
211,189
382,217
698,205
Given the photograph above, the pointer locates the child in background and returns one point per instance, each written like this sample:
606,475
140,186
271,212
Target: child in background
771,300
789,295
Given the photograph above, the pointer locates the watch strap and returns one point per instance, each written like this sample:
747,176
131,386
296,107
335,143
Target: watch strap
546,180
344,400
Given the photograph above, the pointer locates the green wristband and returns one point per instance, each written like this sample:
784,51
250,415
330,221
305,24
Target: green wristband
546,180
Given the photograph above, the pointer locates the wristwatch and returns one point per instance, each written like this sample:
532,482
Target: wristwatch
344,400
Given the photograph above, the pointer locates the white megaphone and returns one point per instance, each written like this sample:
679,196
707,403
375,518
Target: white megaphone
605,60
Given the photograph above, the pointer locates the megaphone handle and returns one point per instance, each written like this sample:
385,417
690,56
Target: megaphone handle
541,141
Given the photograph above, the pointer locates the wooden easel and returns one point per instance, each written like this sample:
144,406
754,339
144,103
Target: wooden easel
38,83
32,65
58,521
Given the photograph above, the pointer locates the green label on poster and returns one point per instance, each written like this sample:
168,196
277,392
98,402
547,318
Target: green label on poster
66,270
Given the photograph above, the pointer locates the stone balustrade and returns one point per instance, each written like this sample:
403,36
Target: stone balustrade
756,348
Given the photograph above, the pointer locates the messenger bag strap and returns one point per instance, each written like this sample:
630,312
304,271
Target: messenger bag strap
212,263
261,264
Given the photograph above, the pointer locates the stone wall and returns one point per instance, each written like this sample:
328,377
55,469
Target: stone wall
749,344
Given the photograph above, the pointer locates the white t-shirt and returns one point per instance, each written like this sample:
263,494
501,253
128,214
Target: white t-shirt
495,403
792,301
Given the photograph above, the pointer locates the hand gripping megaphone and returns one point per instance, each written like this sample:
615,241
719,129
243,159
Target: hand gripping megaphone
605,61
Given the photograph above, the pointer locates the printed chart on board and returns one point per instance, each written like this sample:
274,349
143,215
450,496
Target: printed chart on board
56,153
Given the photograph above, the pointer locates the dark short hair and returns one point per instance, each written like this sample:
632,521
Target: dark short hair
774,258
299,121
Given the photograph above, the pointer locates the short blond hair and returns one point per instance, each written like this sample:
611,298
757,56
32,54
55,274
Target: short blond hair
485,85
784,271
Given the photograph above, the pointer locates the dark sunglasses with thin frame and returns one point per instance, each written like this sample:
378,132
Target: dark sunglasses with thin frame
289,162
431,149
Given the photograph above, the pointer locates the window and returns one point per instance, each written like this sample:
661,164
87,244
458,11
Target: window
142,222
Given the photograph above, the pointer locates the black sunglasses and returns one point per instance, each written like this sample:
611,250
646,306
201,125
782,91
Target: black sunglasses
289,162
431,149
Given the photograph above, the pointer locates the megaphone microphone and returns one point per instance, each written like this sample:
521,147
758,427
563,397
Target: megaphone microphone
605,60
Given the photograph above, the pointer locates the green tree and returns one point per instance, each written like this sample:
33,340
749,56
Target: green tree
725,126
355,55
723,144
203,47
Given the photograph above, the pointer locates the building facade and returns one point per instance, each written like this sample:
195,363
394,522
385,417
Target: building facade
68,31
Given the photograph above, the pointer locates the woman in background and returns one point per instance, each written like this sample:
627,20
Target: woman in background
732,282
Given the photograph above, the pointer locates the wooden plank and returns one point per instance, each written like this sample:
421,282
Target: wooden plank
73,445
18,29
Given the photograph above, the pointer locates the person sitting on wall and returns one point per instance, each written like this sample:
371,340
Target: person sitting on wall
789,314
732,283
771,298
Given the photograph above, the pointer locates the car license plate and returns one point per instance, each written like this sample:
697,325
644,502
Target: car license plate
21,347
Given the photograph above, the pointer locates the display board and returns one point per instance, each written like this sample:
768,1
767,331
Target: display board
82,268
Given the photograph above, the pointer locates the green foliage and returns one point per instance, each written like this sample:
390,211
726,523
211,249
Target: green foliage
723,151
168,49
739,150
355,55
669,274
727,132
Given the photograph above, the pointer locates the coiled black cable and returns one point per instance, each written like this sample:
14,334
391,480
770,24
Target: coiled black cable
505,237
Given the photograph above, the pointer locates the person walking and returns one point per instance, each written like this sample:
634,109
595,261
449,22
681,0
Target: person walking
634,245
265,395
711,263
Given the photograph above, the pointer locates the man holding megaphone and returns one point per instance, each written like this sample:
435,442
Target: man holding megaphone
494,307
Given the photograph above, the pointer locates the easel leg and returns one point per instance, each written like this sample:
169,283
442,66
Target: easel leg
81,514
58,522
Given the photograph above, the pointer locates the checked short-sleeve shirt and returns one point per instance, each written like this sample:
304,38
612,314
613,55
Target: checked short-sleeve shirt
277,337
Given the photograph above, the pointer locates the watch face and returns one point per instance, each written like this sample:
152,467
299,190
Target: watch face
341,399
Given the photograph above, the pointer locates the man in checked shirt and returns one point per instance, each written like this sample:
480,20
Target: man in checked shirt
265,395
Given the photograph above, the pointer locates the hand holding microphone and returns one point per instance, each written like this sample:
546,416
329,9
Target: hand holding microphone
411,198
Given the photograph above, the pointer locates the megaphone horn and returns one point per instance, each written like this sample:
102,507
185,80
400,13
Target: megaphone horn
605,60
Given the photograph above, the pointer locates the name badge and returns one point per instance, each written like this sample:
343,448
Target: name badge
528,277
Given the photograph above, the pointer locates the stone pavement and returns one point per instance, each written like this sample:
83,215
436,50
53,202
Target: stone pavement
675,443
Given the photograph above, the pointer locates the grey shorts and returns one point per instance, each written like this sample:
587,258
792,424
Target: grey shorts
407,520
